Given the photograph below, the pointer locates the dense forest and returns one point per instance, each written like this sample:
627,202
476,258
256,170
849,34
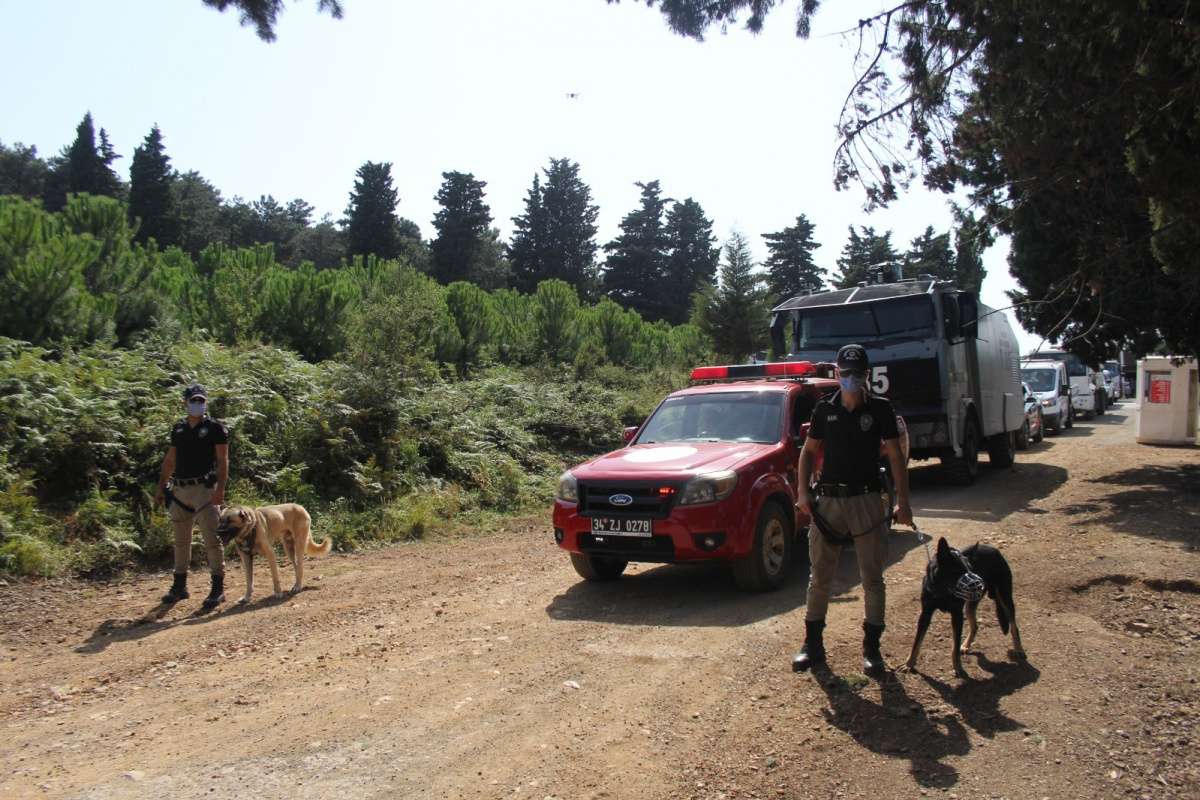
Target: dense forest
388,381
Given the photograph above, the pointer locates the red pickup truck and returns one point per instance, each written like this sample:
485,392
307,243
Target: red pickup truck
710,475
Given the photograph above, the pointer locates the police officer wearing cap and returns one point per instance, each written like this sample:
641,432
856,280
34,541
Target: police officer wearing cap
847,429
192,484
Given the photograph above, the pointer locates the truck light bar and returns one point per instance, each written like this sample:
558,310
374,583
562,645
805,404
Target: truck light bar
773,369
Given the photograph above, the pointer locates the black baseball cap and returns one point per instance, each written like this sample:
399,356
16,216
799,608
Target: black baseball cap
195,390
853,357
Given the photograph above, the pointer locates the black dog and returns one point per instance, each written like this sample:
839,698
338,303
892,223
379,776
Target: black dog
955,582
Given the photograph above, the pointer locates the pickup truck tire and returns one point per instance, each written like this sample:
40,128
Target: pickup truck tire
1001,450
597,568
962,470
764,568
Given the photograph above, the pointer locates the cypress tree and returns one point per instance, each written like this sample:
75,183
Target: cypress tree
151,195
692,260
371,223
791,269
570,226
635,271
866,257
930,254
735,314
527,249
83,167
462,249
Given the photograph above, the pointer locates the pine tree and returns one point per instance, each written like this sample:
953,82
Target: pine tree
198,207
371,223
867,257
461,249
264,14
22,172
692,260
971,238
930,254
636,269
83,167
735,314
151,195
527,249
570,252
791,269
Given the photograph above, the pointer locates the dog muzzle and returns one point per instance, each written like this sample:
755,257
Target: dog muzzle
969,587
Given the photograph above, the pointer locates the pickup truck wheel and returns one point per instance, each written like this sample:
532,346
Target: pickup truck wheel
597,568
962,470
765,567
1001,450
1023,437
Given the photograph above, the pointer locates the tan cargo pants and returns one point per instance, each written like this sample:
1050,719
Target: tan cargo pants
865,518
206,519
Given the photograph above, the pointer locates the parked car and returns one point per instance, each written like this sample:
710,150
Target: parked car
1049,382
1112,386
1033,429
1120,386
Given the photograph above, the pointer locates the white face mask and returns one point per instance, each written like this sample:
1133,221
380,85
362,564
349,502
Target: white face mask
195,408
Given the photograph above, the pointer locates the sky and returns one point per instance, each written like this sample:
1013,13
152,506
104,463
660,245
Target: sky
744,124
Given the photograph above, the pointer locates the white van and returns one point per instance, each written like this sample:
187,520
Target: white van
1048,381
1087,386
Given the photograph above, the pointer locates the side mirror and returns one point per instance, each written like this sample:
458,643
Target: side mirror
1065,390
630,432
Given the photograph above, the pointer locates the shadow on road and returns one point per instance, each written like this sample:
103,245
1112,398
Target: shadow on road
1162,501
896,727
996,493
702,595
112,631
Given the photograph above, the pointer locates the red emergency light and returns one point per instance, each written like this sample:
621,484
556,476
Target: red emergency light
773,369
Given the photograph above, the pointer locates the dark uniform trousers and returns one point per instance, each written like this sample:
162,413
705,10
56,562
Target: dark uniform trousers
865,518
205,518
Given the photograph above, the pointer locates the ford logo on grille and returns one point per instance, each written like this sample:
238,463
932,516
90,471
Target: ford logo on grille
620,499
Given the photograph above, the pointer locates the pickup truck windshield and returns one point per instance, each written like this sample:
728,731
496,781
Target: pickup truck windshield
716,417
1039,380
903,318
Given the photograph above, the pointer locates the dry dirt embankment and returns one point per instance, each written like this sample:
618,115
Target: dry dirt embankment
482,667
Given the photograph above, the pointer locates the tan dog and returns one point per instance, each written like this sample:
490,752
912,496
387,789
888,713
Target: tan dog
257,530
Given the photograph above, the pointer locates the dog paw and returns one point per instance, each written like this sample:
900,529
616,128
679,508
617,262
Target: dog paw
906,667
962,673
966,648
242,601
294,590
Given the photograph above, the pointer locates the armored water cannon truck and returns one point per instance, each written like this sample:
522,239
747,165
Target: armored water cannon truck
948,363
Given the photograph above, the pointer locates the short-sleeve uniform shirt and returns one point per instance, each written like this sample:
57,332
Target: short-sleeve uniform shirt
196,447
852,438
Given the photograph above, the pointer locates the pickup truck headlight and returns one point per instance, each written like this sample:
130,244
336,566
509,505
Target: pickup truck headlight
708,488
568,488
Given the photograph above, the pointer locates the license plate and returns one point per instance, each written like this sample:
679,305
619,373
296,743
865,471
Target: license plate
616,526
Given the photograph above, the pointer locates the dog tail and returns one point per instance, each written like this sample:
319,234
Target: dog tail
314,549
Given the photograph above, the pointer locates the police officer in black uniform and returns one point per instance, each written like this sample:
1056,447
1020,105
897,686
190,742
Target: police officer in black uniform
847,429
192,484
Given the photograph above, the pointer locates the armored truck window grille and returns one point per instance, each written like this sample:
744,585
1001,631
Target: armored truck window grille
717,417
902,318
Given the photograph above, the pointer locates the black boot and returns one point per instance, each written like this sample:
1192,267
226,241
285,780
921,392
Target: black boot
178,589
872,658
813,652
216,595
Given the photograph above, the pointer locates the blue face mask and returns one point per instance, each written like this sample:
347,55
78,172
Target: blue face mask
195,408
851,383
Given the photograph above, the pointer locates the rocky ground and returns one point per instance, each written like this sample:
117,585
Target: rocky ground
481,666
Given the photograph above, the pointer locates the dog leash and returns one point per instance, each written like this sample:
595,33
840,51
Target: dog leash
924,539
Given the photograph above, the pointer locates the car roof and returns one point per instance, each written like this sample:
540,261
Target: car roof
782,385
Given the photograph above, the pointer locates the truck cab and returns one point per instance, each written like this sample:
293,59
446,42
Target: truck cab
946,361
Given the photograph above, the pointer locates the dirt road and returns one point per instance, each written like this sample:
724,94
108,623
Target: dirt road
482,667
